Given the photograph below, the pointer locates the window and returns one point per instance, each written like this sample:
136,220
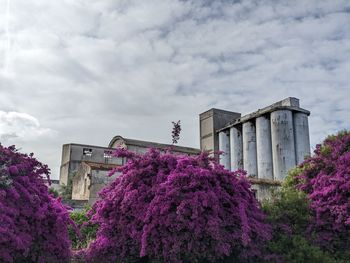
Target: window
87,152
107,154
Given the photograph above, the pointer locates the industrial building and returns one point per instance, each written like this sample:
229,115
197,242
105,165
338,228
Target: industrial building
266,143
87,166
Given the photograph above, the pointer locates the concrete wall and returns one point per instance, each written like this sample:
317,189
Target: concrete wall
209,122
99,179
81,183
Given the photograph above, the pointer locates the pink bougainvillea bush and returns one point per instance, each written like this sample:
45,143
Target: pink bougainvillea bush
33,224
326,180
175,208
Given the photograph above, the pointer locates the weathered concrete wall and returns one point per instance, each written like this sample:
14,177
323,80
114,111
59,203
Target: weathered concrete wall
301,134
236,148
263,147
81,183
99,179
224,147
209,122
249,149
64,170
283,150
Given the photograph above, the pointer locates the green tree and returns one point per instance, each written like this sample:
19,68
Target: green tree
86,230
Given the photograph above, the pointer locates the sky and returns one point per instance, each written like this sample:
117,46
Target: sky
83,71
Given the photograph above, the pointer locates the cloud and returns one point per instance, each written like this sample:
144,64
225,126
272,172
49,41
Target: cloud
92,69
16,126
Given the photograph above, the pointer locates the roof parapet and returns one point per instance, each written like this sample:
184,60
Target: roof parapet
289,103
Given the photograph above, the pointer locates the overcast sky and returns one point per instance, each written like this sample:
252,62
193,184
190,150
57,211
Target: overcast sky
83,71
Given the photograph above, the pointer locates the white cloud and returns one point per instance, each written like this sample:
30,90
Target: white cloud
93,69
17,126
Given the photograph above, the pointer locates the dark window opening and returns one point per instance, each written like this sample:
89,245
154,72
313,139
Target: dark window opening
87,152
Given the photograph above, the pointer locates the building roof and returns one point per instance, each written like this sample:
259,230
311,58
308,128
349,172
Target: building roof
289,103
148,144
88,145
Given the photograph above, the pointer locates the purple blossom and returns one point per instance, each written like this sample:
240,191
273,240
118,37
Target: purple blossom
176,208
326,180
33,224
13,170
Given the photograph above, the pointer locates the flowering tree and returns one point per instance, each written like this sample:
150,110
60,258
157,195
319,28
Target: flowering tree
326,181
176,208
33,224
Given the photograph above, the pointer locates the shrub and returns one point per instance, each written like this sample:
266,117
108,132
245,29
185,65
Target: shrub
87,230
289,215
33,224
179,209
326,181
310,215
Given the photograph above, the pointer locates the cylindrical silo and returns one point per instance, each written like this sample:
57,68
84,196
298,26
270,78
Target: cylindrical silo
249,148
263,147
282,137
301,136
236,148
224,146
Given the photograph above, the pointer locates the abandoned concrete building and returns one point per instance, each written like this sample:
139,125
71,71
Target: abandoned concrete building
266,143
88,166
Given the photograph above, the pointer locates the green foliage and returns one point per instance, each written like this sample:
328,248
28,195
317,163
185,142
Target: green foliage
296,249
334,137
289,214
290,182
86,228
288,206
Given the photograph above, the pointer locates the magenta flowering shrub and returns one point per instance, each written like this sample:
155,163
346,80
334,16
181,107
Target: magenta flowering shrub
33,224
326,180
175,208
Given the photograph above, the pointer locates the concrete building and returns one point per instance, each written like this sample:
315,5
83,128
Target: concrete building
88,166
74,154
266,143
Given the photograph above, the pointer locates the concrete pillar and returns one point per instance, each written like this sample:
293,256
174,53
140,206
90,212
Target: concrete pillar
282,137
301,136
224,146
263,148
236,148
249,149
